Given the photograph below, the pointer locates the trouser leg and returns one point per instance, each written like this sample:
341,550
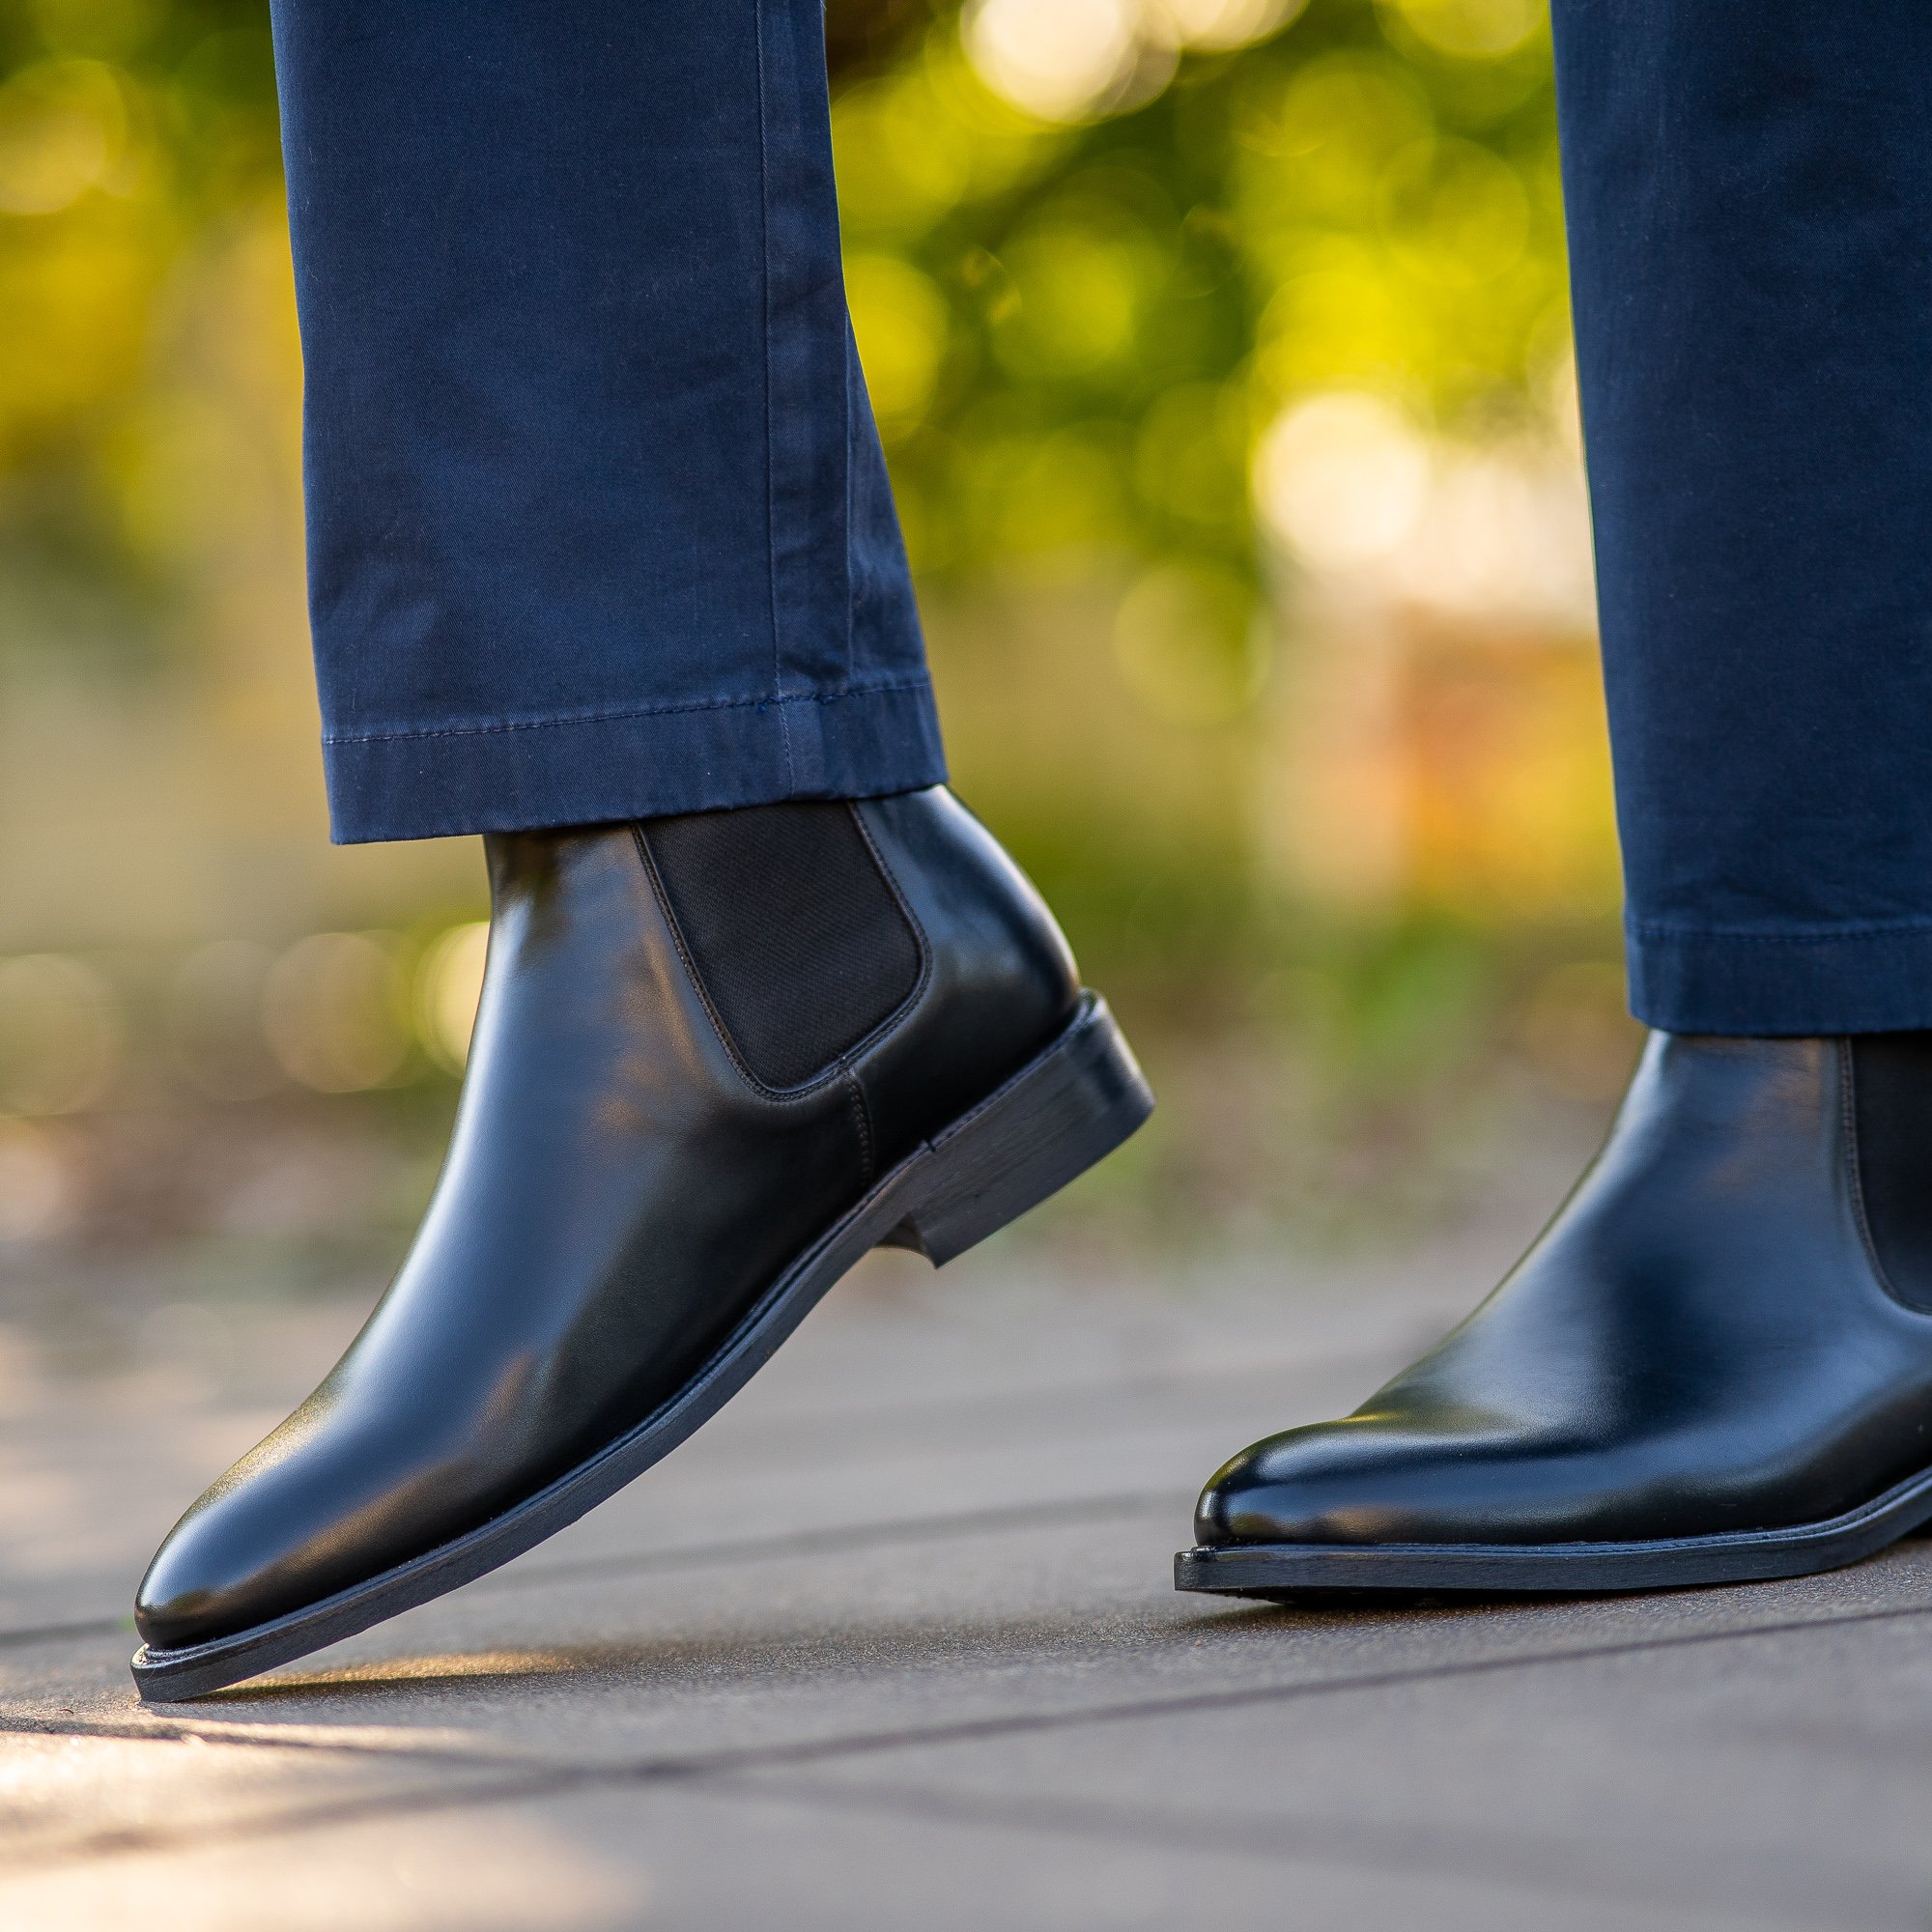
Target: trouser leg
1750,191
599,526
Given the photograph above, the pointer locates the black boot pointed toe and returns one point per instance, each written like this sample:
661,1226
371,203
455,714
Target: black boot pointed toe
1714,1365
716,1059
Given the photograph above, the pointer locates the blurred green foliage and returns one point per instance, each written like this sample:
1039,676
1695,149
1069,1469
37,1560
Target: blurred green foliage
1075,332
129,129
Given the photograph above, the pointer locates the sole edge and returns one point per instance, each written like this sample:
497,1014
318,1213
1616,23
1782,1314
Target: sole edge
1736,1556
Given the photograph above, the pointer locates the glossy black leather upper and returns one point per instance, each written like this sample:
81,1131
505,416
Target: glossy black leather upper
1701,1340
619,1192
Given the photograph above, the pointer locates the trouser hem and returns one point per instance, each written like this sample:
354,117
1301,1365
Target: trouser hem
591,771
1856,979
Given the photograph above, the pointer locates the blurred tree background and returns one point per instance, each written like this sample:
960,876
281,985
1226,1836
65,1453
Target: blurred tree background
1221,351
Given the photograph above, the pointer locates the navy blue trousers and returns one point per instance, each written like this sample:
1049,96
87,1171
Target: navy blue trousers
599,526
598,523
1750,194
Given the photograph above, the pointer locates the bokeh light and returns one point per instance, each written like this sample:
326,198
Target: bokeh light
1504,531
449,985
1453,212
36,1191
901,323
1059,59
1216,26
1343,479
1068,59
63,130
1472,29
1188,644
214,1020
334,1009
61,1034
1082,286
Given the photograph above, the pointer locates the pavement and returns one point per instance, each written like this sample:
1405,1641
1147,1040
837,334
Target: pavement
892,1644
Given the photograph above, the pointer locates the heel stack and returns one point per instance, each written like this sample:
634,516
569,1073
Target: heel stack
1051,1122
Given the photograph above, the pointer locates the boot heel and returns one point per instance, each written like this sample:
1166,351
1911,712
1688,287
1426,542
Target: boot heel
1051,1122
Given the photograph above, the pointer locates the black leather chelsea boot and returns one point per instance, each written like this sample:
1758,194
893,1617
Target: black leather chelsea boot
716,1059
1715,1364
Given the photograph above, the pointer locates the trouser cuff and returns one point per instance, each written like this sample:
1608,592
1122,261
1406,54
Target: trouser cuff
644,764
1870,979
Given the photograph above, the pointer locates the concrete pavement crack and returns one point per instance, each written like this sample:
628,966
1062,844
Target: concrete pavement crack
743,1550
849,1427
855,1536
696,1767
1522,1858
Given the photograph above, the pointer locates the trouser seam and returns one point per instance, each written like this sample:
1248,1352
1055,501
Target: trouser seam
765,298
1733,936
883,689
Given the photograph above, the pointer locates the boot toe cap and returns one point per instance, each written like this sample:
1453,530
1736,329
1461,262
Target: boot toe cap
206,1582
1332,1482
274,1535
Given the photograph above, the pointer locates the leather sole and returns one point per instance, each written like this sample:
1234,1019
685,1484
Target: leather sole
1277,1570
1072,1104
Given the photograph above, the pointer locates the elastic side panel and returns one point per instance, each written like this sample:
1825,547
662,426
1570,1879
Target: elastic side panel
794,930
1891,1091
